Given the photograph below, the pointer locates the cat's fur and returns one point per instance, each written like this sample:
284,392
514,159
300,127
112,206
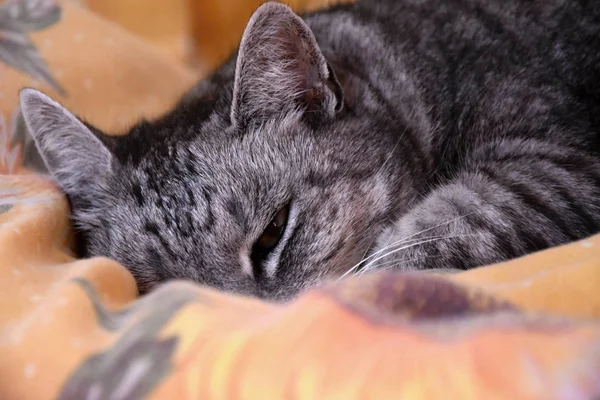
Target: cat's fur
452,133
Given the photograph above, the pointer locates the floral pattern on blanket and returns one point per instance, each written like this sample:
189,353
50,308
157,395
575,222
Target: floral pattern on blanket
138,361
17,19
10,150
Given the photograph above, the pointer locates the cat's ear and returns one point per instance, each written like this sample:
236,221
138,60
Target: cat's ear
280,67
74,155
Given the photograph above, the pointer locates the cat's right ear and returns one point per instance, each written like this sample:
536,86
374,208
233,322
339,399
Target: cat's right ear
281,68
74,155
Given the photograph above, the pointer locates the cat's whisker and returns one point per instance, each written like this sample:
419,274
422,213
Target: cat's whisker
368,266
424,271
364,259
368,247
401,241
394,251
426,240
405,239
392,151
387,247
391,264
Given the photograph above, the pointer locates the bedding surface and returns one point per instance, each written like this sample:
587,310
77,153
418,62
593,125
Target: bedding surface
77,329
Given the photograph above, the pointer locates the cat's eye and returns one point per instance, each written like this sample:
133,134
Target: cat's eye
271,235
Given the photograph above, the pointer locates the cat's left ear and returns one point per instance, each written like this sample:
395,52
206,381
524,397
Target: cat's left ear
280,68
74,155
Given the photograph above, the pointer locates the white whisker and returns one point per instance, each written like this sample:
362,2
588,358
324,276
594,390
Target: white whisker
393,263
391,252
391,152
399,242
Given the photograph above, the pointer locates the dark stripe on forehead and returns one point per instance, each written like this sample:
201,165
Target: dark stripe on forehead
234,207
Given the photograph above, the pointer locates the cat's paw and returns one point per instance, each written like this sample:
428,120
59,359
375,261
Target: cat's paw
423,241
398,248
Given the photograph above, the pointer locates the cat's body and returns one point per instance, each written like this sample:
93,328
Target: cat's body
437,134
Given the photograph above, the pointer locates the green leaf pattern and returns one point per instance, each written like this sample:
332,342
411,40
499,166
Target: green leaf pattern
132,367
17,18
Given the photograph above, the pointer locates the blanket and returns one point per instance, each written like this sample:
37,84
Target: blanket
77,329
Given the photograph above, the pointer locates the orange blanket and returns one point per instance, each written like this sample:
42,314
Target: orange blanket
76,329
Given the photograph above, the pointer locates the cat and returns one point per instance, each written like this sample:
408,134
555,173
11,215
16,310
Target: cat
383,134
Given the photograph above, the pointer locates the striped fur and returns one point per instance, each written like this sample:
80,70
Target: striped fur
407,134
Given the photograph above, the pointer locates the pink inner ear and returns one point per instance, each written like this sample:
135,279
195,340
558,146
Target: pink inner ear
289,49
280,67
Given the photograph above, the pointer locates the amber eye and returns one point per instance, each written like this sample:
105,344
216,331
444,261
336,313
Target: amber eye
270,236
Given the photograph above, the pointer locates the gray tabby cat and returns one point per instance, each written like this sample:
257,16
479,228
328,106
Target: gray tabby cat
411,134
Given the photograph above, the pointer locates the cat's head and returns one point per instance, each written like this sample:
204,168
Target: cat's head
268,198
